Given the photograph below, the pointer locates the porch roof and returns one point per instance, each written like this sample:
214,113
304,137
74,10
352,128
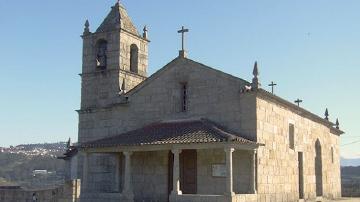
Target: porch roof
172,132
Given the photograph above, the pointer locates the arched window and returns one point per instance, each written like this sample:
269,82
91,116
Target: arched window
134,58
101,54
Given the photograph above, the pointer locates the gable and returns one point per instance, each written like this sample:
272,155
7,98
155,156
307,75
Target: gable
182,70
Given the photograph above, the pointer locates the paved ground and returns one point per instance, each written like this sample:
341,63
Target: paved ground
349,200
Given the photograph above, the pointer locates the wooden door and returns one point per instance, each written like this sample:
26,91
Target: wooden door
188,171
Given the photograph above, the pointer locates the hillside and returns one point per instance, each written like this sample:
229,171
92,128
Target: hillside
350,181
18,163
350,162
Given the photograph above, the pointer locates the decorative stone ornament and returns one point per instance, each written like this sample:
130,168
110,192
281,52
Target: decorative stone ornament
327,114
87,27
123,88
337,124
145,32
255,81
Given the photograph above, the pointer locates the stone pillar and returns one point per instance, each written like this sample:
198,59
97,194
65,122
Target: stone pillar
253,172
117,172
127,190
85,175
229,172
176,173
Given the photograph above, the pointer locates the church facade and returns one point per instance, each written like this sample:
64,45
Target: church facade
190,132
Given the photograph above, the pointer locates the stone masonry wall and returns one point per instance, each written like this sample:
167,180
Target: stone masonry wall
102,171
209,185
69,192
150,176
278,163
211,94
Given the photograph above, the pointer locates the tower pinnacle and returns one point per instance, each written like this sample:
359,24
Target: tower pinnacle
327,114
87,27
145,32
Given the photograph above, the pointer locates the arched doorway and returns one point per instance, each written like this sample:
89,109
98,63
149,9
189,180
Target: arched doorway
318,169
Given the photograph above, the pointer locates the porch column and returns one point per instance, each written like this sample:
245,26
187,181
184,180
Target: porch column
176,173
127,190
253,172
229,172
85,174
117,172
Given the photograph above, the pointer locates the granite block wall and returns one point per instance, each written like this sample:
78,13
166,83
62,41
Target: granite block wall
278,173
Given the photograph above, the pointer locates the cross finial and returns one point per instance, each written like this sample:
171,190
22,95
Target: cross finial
327,114
272,86
182,32
298,101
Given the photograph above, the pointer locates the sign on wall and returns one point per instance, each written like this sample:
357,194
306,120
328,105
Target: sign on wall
219,170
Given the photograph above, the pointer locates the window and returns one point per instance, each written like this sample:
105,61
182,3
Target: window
291,136
318,169
184,97
101,54
134,58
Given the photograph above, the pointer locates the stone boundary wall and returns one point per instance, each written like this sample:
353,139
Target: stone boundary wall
69,192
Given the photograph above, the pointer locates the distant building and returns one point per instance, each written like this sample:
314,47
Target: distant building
39,172
190,132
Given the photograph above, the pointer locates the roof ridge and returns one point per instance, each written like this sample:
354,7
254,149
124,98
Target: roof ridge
298,110
222,131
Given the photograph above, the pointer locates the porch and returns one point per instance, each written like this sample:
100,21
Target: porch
192,171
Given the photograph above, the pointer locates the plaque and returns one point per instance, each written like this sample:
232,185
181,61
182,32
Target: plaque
219,170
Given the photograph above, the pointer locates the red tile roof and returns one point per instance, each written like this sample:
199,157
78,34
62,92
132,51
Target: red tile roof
172,132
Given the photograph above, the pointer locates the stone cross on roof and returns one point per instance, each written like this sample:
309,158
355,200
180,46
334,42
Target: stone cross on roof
182,32
272,86
298,101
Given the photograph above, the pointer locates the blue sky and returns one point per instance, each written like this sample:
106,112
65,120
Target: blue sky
309,48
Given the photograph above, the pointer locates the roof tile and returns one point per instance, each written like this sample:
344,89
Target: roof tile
173,132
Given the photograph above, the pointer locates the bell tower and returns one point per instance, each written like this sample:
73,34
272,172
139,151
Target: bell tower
115,59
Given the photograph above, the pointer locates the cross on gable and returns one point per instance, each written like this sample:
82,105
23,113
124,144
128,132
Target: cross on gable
272,86
182,32
298,101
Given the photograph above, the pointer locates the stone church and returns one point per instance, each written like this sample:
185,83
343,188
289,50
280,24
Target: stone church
190,132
